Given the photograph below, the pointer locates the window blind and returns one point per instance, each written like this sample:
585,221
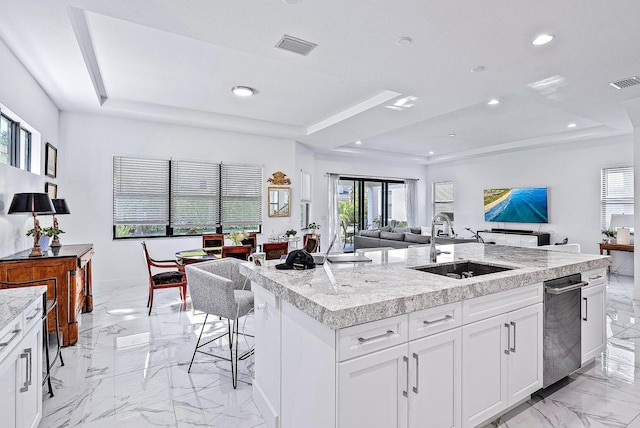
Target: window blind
195,190
617,193
241,194
140,191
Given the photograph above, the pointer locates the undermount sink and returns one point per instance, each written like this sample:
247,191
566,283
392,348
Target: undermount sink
463,269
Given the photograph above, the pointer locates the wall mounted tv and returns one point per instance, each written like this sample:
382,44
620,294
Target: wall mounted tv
516,205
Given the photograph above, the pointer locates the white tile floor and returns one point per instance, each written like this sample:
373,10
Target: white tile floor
129,369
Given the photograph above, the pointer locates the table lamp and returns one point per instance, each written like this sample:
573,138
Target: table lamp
61,208
622,223
33,203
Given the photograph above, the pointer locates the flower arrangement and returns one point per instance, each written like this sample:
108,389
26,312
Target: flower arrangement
313,225
46,231
238,236
609,232
291,232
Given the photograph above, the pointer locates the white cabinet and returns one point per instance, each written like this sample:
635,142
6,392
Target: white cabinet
502,362
435,381
21,369
593,322
515,239
373,390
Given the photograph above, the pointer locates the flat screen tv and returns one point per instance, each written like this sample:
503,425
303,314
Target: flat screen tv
516,205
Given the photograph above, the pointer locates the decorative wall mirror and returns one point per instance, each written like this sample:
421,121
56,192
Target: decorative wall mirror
279,201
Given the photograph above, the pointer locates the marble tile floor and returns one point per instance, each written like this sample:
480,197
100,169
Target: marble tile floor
129,369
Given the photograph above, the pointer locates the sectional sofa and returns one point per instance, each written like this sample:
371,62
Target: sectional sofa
398,238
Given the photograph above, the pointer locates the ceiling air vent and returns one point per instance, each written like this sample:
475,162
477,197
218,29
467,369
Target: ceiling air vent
295,45
625,83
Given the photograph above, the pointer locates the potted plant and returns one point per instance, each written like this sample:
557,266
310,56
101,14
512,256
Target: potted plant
313,227
290,233
610,233
46,233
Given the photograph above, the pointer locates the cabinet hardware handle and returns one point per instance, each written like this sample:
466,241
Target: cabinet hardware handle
30,365
15,334
595,277
406,360
506,351
35,314
416,356
514,337
445,318
25,387
586,306
380,336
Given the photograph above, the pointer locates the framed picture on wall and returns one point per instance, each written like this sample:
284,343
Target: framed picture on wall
51,161
51,189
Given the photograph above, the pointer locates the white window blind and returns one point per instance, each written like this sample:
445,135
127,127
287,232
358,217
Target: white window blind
443,198
305,181
195,194
617,193
241,195
140,191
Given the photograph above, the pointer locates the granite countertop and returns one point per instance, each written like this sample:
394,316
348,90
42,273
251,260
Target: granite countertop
15,300
388,286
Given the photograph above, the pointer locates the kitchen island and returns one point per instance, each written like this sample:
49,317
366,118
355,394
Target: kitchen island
392,346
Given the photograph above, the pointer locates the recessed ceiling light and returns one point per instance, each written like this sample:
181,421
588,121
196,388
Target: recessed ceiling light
243,91
493,102
358,142
572,125
404,41
430,153
542,39
452,135
478,69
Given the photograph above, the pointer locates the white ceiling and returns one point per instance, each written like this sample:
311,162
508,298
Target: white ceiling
177,61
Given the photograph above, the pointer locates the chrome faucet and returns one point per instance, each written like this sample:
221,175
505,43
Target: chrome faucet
433,254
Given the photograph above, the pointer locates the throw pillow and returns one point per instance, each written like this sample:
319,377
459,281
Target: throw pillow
392,235
370,233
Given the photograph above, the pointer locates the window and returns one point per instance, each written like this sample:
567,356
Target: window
371,203
617,193
17,142
178,197
443,198
305,199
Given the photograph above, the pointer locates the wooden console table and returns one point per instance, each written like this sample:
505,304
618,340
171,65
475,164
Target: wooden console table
71,265
615,247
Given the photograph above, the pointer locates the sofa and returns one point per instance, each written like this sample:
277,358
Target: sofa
398,238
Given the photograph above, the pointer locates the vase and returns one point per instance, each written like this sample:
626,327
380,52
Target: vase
44,242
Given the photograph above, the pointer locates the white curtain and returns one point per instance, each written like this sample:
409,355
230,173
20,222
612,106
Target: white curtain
334,211
412,202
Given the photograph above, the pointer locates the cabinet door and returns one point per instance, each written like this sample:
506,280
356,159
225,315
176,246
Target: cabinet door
484,384
9,387
434,378
30,400
593,322
524,361
373,390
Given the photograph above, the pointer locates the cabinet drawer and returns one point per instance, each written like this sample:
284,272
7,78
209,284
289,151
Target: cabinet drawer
33,314
595,277
10,336
499,303
434,320
372,336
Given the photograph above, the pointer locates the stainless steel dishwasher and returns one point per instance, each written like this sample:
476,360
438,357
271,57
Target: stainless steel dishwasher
562,328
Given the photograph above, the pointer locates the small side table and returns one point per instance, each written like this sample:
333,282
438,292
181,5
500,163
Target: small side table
614,247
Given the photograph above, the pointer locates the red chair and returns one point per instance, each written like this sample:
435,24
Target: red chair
213,240
311,243
241,252
166,279
274,250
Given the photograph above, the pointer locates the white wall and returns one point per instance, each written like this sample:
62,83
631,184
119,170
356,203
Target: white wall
570,171
22,94
91,141
364,167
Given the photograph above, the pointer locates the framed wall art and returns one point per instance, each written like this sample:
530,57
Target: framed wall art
51,161
51,189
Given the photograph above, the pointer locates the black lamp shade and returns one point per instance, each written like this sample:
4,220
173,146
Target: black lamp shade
61,206
38,203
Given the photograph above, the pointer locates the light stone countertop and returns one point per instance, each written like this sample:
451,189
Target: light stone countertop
388,286
15,300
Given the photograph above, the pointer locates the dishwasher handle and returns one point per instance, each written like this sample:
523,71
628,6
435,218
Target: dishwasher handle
560,290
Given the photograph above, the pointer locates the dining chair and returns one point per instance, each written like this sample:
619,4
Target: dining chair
241,252
251,240
166,279
49,306
348,235
215,240
311,243
217,288
275,250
